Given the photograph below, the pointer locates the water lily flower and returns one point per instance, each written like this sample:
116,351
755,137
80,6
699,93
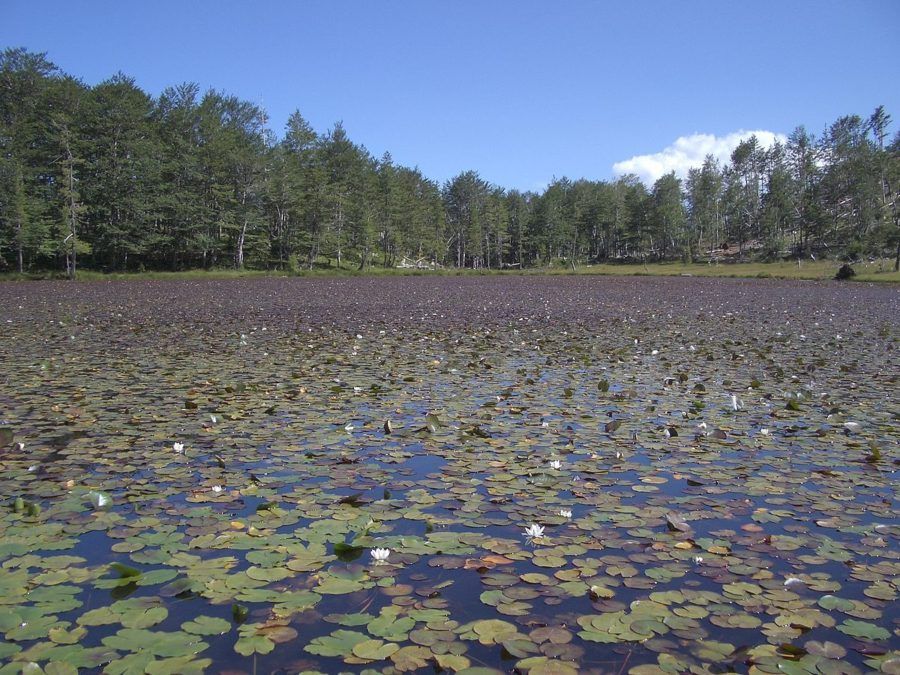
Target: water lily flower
213,419
792,581
20,446
380,555
99,499
534,531
555,464
698,559
565,513
217,488
735,403
178,447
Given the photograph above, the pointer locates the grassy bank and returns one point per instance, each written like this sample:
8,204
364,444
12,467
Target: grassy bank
817,270
878,271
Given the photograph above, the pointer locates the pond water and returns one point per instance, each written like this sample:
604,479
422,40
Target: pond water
195,476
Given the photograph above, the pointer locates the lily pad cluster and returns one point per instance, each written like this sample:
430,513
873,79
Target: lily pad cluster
473,475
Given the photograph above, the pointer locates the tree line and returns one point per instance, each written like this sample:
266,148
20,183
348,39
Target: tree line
110,178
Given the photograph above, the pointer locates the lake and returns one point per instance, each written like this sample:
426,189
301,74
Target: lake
473,474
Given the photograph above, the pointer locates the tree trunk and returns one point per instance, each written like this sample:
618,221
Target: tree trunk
73,205
239,254
20,252
340,230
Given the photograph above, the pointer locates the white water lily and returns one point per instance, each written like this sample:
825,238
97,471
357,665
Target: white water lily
380,555
534,531
698,559
764,431
213,419
735,403
217,488
99,499
555,464
792,581
178,447
565,513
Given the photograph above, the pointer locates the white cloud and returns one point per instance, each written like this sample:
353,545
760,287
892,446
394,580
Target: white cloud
690,151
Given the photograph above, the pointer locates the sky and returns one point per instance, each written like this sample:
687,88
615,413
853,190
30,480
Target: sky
522,92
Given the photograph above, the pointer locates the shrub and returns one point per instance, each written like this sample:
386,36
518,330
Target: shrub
845,272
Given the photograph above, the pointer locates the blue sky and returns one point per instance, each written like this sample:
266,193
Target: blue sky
519,91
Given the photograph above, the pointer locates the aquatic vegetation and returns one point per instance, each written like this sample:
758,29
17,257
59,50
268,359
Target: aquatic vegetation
534,531
380,555
367,482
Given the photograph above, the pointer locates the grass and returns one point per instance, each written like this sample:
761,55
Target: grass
187,275
878,271
814,270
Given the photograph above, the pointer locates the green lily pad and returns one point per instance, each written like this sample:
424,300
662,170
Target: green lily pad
206,625
339,643
374,650
155,643
493,631
863,629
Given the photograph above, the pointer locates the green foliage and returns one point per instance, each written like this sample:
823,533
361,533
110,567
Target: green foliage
115,180
224,506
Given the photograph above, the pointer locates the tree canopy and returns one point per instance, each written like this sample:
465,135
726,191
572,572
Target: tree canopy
111,178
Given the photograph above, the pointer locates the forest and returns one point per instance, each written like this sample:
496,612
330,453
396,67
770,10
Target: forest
110,178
